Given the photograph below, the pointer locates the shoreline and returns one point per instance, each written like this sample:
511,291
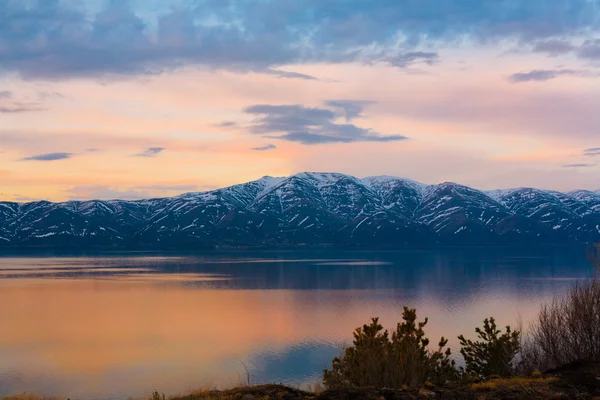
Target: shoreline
579,380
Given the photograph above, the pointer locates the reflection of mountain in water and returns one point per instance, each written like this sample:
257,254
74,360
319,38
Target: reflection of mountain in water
447,275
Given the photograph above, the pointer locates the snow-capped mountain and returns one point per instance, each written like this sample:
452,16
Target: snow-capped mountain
311,209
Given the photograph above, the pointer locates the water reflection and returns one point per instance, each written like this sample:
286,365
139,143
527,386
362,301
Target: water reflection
118,326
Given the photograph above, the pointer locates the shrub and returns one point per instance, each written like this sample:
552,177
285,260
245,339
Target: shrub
493,354
567,329
402,359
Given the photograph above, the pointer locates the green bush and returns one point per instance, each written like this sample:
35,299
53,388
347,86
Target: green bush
402,359
494,353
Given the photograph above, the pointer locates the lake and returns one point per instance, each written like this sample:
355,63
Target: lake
119,325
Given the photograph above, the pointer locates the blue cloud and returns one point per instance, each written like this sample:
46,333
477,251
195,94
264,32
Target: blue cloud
590,49
288,74
17,108
48,39
265,147
22,199
350,108
48,157
545,75
553,47
151,152
404,60
227,124
578,165
312,125
592,152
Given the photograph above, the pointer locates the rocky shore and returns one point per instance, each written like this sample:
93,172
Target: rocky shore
575,381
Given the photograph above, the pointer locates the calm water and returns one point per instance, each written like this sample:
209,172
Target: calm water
123,325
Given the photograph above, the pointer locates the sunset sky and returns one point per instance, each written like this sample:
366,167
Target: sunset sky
149,98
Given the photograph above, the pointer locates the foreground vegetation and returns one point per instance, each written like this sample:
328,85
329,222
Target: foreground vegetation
557,358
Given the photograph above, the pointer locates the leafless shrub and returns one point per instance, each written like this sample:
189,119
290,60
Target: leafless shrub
566,330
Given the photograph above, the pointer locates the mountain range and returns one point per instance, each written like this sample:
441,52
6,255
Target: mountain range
311,209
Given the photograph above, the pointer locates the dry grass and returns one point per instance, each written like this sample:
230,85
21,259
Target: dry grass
267,392
30,396
512,383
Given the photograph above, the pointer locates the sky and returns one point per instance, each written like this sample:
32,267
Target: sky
151,98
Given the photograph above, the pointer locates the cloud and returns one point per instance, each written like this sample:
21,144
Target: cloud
314,138
151,152
404,60
540,75
49,39
288,74
227,124
17,108
265,147
168,188
578,165
310,125
460,108
24,199
553,47
48,157
102,192
9,104
591,152
43,95
351,108
590,49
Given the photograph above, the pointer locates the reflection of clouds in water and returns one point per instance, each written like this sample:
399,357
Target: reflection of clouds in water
15,273
355,263
7,263
171,277
557,279
278,261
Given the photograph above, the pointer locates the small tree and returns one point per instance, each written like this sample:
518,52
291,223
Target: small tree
494,353
378,360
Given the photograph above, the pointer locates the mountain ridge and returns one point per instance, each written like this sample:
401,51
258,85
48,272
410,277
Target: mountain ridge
311,208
